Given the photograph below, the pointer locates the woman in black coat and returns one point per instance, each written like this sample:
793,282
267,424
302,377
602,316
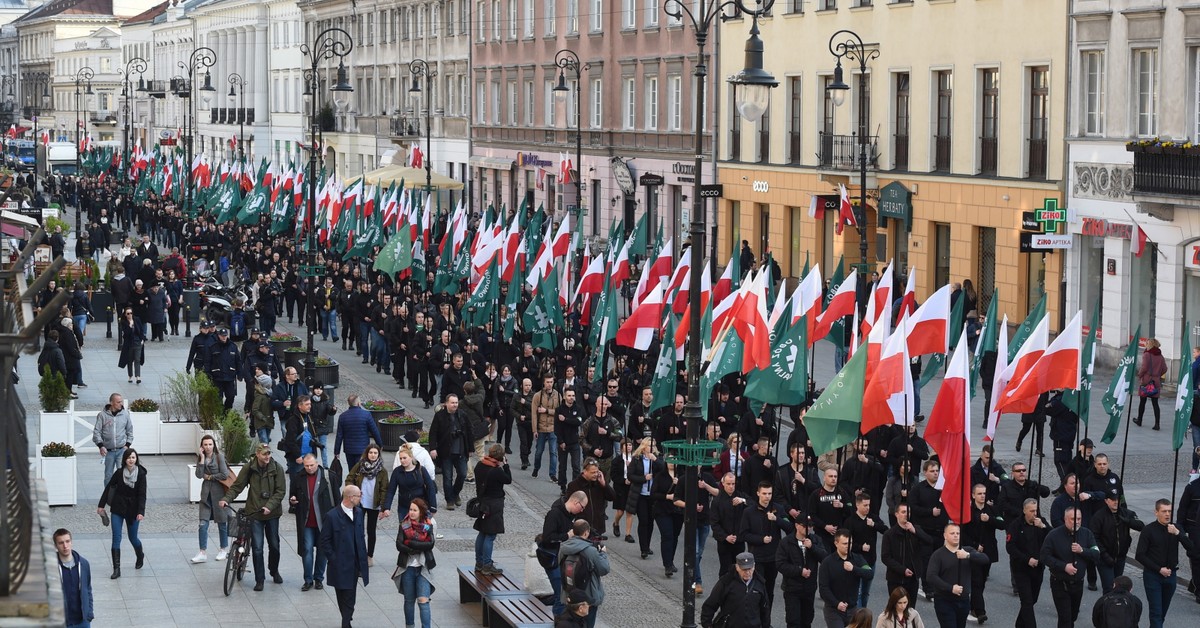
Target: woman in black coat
639,472
667,495
125,495
131,343
491,474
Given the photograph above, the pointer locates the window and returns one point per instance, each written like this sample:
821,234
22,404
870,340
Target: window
548,100
597,20
550,6
796,6
629,104
572,17
463,17
529,17
481,29
420,22
512,103
651,103
465,94
764,136
496,20
900,141
495,108
735,130
829,5
1092,68
674,21
827,111
594,107
481,98
573,104
674,102
512,19
795,122
1145,80
529,103
628,13
1039,105
651,13
944,82
989,110
1196,101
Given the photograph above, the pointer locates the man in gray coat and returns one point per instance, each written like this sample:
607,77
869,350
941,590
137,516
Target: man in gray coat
113,433
596,559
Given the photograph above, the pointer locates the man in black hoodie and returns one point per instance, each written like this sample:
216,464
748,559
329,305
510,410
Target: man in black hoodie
725,517
799,557
900,553
555,530
762,525
1111,525
1066,552
839,578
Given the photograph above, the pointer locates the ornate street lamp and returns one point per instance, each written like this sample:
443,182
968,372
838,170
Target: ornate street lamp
35,105
419,68
567,60
202,57
135,65
82,78
237,93
846,44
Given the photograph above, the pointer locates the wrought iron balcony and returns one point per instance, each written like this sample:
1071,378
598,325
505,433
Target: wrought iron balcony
103,117
405,126
1173,173
841,152
231,115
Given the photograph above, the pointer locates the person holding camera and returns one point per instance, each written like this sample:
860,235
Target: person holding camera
264,506
588,559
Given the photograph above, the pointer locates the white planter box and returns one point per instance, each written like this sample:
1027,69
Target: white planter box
195,484
178,438
147,432
61,480
57,427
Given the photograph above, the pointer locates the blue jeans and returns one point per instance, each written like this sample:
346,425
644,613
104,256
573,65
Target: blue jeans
270,530
328,324
454,474
951,610
555,576
264,435
416,585
1108,573
544,438
364,340
112,460
323,438
703,530
222,529
80,322
314,569
379,350
1159,591
131,525
864,589
483,549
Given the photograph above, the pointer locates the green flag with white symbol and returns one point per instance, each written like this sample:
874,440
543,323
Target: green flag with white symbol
1185,396
665,369
396,255
484,299
785,382
726,360
254,207
1121,389
1079,401
988,337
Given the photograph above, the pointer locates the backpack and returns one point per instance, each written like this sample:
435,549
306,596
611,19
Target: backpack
1119,612
237,324
576,571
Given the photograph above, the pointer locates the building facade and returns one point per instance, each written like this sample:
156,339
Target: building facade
634,104
97,113
1137,80
968,122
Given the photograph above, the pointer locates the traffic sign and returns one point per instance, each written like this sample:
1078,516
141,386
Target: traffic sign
712,190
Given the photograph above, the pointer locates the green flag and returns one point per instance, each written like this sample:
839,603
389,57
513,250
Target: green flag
665,369
540,316
1185,396
396,255
227,202
836,417
785,382
988,336
512,301
443,278
369,236
254,207
1026,328
637,240
728,359
1080,400
484,298
1121,389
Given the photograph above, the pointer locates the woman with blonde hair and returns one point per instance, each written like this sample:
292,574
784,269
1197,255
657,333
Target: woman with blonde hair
1150,373
640,475
621,488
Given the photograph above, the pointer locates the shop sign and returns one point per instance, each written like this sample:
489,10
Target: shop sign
760,186
895,201
1050,215
712,190
622,175
1029,222
1101,228
1192,259
1044,242
532,159
650,179
687,172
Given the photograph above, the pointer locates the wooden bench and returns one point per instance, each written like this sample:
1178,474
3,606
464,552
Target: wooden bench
516,611
474,587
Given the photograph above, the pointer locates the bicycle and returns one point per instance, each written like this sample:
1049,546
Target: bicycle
239,552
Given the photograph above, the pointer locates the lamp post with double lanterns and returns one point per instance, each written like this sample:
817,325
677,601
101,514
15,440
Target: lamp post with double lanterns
83,77
328,44
752,90
420,68
35,105
8,82
135,65
846,44
237,93
566,60
202,57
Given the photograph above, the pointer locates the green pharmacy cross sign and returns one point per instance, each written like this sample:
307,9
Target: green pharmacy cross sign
1051,216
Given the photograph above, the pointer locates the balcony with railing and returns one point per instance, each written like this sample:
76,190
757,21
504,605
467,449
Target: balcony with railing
1037,159
103,117
231,115
988,147
941,153
1159,171
841,152
405,126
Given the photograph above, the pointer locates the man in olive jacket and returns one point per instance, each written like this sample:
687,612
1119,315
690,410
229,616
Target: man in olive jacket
264,506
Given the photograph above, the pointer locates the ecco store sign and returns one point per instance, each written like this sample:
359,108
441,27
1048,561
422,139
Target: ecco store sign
760,186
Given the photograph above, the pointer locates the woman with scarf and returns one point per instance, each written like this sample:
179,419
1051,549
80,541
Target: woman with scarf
211,468
366,475
414,543
125,494
491,474
1150,373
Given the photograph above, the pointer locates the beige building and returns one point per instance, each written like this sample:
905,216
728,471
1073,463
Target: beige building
965,110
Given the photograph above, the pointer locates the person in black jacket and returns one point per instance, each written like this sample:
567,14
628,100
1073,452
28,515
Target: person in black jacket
865,474
725,517
125,495
763,523
908,445
1066,552
796,481
948,581
1064,429
310,498
980,534
989,473
1035,421
449,445
223,367
1025,536
828,506
201,345
1014,492
568,418
1158,553
1119,608
555,530
839,578
900,552
1111,526
799,557
1187,518
928,513
740,595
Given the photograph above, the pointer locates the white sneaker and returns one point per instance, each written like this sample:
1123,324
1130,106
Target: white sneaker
222,554
202,557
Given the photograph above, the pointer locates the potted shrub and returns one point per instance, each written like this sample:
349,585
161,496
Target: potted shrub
233,438
327,371
56,424
182,396
382,408
147,425
58,471
283,341
394,427
293,357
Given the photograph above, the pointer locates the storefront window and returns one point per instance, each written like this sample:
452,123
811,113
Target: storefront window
735,228
1091,275
1191,311
1143,290
1035,279
941,270
796,265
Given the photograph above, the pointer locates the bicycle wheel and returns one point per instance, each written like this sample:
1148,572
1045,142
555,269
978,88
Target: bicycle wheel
231,567
243,561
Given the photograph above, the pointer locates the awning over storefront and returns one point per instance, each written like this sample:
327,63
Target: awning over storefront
493,163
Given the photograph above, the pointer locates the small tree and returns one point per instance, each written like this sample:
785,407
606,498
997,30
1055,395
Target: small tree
53,392
212,410
235,438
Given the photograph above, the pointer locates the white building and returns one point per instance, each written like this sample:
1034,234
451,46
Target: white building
97,54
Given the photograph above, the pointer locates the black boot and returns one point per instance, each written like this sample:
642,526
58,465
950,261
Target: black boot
141,558
116,558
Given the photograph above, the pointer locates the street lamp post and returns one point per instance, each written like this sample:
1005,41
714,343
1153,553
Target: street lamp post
419,68
566,59
236,81
328,44
755,85
138,65
202,57
35,80
848,45
82,77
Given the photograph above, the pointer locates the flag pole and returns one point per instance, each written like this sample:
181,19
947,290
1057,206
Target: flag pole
1174,476
1125,444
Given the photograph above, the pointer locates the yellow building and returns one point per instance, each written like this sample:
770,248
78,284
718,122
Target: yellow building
965,103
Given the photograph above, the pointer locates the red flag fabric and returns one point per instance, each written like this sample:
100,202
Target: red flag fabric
1058,367
841,305
949,434
1139,243
639,329
1027,356
845,211
888,397
929,327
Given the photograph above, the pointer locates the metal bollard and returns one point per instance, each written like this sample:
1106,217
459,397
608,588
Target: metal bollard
108,323
187,321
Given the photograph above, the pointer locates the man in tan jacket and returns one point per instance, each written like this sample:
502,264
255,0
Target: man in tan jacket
545,407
